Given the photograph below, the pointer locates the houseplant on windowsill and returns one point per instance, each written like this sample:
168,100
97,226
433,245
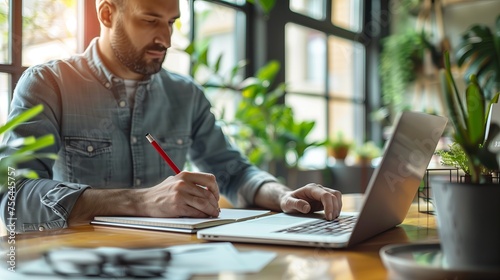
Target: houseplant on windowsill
366,152
338,147
468,214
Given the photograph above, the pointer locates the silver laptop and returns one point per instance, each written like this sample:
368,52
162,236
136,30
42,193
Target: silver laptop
387,199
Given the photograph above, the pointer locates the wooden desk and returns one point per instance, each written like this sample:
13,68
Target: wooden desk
359,262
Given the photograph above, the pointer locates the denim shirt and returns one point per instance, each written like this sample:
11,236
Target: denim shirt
100,137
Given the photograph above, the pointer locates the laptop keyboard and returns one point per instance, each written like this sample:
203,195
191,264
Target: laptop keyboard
338,226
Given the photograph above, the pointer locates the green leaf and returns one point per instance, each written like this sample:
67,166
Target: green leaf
492,101
23,117
455,114
475,113
453,91
480,51
267,5
234,71
29,174
217,63
190,49
268,72
40,143
203,57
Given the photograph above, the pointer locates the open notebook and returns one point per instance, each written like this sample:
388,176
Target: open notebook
187,225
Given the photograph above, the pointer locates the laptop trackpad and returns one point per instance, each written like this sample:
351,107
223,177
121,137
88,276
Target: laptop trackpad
280,220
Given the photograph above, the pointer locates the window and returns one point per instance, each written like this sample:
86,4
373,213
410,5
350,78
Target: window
4,97
221,25
323,54
321,45
4,29
49,30
325,69
347,14
311,8
32,33
345,92
306,76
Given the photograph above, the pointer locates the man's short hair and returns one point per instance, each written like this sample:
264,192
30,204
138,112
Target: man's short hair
119,3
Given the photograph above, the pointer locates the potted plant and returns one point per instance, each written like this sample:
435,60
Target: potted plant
26,150
401,61
338,147
366,152
468,213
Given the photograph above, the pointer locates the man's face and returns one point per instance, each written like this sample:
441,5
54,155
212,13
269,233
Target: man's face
142,32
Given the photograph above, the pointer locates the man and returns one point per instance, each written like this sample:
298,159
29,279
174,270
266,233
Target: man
100,105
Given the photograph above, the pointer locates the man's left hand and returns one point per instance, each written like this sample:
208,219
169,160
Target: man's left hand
311,198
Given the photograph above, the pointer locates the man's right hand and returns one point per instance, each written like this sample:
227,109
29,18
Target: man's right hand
182,196
177,196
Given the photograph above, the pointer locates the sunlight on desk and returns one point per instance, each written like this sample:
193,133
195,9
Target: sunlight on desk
359,262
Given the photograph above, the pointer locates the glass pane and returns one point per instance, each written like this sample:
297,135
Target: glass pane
49,30
239,2
348,118
4,32
311,8
222,27
346,68
4,97
177,60
305,53
311,108
347,14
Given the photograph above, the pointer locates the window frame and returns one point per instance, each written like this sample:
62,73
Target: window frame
271,30
264,38
87,29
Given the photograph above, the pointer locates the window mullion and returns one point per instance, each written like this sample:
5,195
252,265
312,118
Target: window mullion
16,42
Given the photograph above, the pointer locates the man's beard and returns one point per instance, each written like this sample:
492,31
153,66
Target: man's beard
130,57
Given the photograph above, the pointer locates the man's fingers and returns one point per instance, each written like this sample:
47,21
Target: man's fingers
202,199
331,205
205,181
316,197
332,202
189,211
293,204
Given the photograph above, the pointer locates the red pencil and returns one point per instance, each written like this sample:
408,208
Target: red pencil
163,154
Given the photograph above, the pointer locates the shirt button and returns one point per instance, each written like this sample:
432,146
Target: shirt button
179,141
107,85
90,148
122,103
134,140
41,228
137,182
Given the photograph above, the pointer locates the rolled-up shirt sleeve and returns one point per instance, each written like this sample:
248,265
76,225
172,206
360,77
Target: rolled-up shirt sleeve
37,205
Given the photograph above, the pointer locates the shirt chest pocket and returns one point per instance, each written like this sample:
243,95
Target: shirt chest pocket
88,160
176,148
